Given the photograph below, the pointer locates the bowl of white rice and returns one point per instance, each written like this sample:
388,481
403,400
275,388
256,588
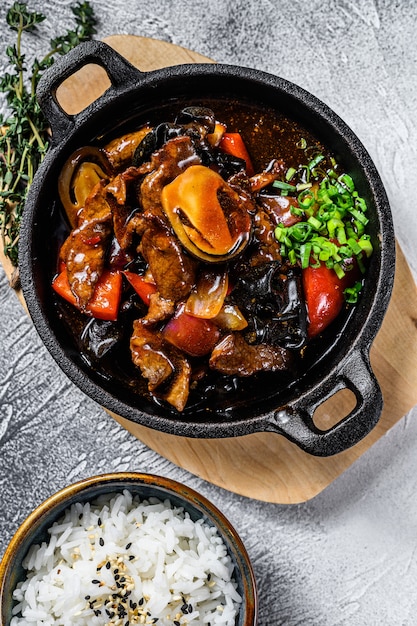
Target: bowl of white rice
124,549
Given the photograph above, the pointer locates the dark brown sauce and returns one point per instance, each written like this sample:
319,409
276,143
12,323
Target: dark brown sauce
268,135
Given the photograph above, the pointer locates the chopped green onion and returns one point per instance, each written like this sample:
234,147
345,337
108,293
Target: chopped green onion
366,245
279,184
292,257
303,186
314,222
332,220
318,159
341,235
305,251
354,245
296,211
280,232
339,270
359,216
301,231
351,293
347,181
333,224
290,173
360,203
306,199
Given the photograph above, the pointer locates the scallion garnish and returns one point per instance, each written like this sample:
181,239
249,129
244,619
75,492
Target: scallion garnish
351,293
317,159
332,226
290,173
279,184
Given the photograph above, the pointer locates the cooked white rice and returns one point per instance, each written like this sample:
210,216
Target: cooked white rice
123,561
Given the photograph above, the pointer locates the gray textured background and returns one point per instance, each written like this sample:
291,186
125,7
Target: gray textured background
347,557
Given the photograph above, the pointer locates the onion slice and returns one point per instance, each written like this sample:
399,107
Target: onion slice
207,299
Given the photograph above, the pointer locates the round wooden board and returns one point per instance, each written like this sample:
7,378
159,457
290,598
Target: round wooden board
266,466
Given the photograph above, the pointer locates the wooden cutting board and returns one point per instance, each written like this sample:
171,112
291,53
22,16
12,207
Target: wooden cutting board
266,466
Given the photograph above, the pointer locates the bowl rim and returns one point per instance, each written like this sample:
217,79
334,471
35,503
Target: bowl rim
55,505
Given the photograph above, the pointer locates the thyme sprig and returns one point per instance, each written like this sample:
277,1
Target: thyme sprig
24,133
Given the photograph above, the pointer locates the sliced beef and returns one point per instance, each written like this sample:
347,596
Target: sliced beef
234,357
159,309
173,271
267,246
172,159
279,207
120,151
166,369
128,219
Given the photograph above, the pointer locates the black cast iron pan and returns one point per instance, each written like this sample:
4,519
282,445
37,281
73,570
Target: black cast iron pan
342,362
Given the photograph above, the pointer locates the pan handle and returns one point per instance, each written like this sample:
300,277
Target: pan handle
295,420
120,72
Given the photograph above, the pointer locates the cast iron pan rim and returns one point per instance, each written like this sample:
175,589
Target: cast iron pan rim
365,334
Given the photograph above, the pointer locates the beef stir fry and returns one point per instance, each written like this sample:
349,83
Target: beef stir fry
229,270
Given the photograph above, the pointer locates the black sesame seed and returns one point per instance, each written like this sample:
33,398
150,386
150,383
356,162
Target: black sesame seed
101,541
108,565
184,609
176,623
87,597
209,576
141,601
132,605
190,608
131,557
99,522
123,579
129,545
95,581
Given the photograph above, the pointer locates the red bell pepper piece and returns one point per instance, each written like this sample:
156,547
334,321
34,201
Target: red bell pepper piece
143,288
323,292
105,302
232,143
194,335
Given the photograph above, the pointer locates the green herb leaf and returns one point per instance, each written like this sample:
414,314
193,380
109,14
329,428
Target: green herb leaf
24,134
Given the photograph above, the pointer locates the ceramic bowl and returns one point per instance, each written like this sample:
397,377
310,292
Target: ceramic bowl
34,530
